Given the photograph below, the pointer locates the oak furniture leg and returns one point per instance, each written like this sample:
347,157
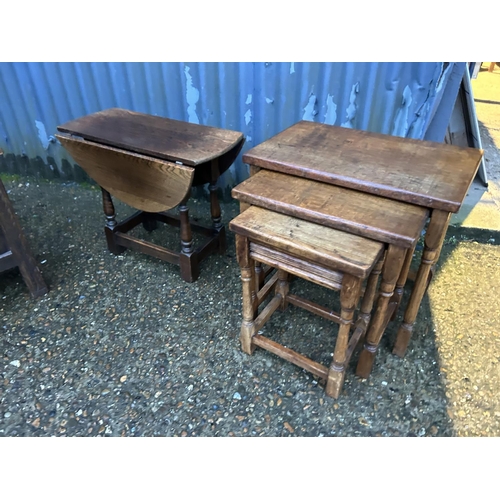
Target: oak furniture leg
110,228
434,238
187,258
400,285
370,293
392,269
249,298
349,296
215,210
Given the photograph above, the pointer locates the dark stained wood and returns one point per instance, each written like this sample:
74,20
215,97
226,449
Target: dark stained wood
424,173
352,211
111,225
370,292
139,181
156,136
321,245
151,163
14,248
148,248
313,308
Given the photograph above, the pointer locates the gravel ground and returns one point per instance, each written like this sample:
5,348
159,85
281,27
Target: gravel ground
121,346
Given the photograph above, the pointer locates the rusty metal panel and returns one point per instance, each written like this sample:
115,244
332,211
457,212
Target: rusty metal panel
258,99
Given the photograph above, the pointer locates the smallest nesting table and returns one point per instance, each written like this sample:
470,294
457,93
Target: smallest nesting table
151,163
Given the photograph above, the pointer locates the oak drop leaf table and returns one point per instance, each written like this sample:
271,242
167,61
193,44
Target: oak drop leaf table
424,174
151,163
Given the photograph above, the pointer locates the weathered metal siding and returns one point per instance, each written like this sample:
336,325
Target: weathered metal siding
259,99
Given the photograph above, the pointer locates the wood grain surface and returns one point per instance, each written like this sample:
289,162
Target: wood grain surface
141,182
157,136
424,173
318,244
359,213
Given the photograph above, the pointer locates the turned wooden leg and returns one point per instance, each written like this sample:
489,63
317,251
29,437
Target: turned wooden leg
215,207
249,297
282,287
187,258
400,284
392,268
370,292
349,296
434,238
109,229
259,276
12,239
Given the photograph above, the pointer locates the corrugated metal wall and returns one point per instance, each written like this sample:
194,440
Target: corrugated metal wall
259,99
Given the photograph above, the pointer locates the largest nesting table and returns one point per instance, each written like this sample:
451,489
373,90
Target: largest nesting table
151,163
424,174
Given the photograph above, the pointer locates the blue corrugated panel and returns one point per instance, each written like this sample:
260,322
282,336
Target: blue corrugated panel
259,99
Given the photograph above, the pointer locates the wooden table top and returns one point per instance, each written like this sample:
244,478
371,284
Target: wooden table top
336,250
348,210
424,173
156,136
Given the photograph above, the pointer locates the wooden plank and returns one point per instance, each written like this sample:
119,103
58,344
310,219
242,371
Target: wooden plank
266,289
424,173
157,136
313,308
139,181
147,248
130,222
174,220
356,212
297,267
266,255
290,355
323,245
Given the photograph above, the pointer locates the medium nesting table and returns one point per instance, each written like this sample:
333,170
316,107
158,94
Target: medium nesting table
394,224
151,163
423,174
